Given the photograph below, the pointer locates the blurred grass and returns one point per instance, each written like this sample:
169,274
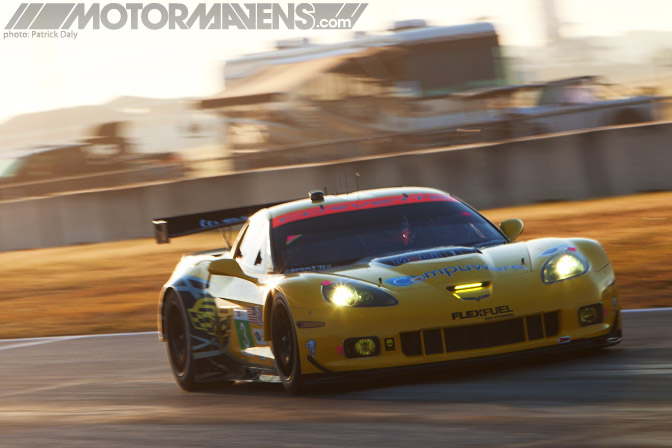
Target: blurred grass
113,287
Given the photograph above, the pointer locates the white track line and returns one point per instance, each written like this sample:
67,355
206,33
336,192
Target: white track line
27,342
646,310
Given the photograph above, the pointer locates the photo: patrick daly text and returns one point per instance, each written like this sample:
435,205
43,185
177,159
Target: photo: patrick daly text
34,34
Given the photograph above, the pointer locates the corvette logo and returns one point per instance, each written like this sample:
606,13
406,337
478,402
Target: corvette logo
476,298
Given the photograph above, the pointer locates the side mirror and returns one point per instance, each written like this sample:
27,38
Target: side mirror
230,268
512,228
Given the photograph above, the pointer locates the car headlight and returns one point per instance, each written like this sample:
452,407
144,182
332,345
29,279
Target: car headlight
564,266
353,293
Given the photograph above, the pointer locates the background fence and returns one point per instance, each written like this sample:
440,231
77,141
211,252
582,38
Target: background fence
571,166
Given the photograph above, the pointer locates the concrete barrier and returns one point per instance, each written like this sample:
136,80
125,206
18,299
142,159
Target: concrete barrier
572,166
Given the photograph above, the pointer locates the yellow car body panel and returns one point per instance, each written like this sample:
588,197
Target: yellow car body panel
451,304
513,294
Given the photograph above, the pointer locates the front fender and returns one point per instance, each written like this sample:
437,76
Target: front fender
303,291
544,248
593,251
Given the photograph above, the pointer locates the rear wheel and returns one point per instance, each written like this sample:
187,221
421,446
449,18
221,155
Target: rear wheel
178,342
285,348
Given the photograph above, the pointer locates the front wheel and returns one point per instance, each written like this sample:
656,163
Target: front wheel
286,354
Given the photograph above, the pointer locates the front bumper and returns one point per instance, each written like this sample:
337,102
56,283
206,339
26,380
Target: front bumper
429,328
609,340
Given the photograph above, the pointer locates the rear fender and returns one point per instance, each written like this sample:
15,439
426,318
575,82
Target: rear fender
210,330
160,311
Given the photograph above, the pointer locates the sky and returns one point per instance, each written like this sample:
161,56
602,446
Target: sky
99,65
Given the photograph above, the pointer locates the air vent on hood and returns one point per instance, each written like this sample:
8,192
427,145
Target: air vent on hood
431,254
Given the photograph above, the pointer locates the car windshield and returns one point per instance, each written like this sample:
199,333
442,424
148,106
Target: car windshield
322,242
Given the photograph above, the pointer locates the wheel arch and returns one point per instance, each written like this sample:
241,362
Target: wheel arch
268,304
161,308
289,288
284,344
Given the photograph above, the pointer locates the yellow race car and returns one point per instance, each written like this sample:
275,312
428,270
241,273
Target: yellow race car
381,281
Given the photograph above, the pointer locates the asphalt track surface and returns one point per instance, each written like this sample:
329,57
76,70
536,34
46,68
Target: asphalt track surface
117,391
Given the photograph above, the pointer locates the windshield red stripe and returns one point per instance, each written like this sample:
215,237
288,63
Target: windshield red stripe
364,204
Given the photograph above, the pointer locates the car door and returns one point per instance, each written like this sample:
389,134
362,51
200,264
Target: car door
252,254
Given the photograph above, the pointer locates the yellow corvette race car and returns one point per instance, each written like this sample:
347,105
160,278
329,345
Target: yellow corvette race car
375,282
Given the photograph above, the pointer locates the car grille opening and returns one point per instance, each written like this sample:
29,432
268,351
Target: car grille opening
535,329
410,343
433,341
551,324
471,337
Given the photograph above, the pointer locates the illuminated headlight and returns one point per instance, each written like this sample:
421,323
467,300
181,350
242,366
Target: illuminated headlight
356,294
564,266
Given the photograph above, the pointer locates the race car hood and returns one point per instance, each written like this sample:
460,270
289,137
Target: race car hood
446,266
421,280
443,266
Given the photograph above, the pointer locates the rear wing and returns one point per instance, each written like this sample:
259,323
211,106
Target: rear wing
167,228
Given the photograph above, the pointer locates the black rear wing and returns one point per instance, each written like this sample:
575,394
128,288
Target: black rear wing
167,228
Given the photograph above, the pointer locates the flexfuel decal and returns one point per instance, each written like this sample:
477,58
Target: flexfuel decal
448,271
487,313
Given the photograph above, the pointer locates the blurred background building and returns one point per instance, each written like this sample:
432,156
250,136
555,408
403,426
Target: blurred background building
413,86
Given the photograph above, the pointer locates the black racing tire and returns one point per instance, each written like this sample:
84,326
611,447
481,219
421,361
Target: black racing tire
284,344
178,342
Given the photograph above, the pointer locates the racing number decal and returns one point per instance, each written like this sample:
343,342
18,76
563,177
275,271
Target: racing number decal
243,329
244,341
